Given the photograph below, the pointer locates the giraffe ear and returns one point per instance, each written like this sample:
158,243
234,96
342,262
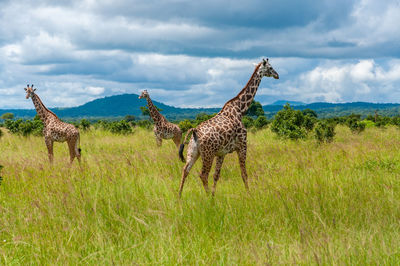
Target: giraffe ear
34,89
25,89
264,62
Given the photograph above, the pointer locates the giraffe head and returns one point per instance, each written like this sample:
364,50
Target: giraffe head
266,70
144,94
30,91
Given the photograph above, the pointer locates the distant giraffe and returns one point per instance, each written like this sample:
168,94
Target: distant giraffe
54,128
162,128
224,133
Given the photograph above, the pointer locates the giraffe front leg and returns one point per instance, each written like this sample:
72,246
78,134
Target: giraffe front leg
218,165
205,170
177,139
158,141
242,162
71,146
49,144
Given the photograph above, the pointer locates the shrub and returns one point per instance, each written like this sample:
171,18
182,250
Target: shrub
185,125
84,124
261,122
120,127
309,121
324,131
144,124
247,121
25,128
1,133
201,117
355,125
289,123
7,116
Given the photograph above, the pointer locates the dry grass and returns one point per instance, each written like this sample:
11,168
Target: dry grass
330,204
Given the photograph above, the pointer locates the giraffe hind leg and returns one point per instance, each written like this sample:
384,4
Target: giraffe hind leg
218,165
192,156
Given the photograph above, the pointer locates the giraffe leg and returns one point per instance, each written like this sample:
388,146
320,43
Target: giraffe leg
77,149
242,162
205,170
177,139
71,146
49,144
218,165
158,141
191,158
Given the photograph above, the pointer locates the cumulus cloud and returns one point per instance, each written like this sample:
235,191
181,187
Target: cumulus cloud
190,53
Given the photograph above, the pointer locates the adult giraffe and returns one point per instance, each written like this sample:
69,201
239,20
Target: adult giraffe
224,133
162,128
54,129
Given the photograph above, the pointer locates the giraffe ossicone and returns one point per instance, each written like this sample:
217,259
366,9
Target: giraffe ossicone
223,133
54,129
162,128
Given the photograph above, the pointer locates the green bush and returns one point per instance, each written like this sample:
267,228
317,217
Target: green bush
1,133
261,122
185,125
25,127
84,124
247,121
144,124
201,117
290,123
355,125
324,131
120,127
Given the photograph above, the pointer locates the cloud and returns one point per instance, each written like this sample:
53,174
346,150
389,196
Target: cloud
190,53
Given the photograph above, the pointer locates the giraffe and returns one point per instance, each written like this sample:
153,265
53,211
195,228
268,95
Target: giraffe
224,133
162,128
54,129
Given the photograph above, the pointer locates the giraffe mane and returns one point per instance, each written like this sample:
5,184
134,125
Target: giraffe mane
247,84
51,112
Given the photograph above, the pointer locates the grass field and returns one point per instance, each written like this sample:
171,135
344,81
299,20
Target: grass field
337,203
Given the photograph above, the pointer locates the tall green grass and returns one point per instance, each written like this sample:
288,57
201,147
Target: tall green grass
335,203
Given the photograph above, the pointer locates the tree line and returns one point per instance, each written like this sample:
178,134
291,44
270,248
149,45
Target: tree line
287,123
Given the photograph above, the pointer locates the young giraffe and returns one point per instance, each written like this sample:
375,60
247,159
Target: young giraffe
54,129
162,128
224,133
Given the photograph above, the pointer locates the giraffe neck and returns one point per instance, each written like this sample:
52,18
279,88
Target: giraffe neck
41,110
154,113
243,100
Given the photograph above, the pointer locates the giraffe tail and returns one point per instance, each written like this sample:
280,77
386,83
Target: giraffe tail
78,146
182,147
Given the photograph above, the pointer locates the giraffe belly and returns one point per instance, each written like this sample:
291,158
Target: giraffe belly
58,137
229,148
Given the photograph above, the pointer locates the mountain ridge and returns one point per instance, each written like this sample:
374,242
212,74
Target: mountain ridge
118,106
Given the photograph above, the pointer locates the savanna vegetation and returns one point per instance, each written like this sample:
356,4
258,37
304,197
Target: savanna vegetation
330,196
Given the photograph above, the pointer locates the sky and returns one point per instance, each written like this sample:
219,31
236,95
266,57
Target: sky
199,53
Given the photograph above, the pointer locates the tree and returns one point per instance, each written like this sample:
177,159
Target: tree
130,118
7,116
185,125
289,123
84,124
145,110
255,109
247,121
310,113
261,122
324,131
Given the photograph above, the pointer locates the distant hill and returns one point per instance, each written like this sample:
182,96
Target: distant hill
118,106
283,102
